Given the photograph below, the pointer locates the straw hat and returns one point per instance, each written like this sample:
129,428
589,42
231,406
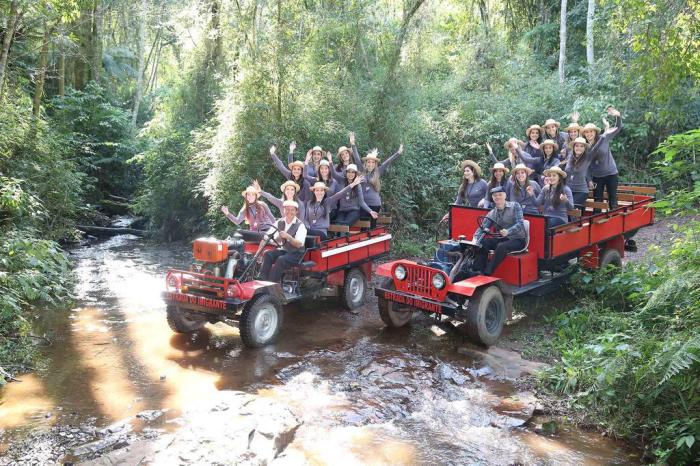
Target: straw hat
499,166
296,163
324,162
342,149
317,148
372,155
522,166
289,183
537,127
589,127
557,170
319,185
351,168
550,142
573,126
551,121
473,165
252,190
289,203
507,143
580,140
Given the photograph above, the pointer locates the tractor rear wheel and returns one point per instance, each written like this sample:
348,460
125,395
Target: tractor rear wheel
486,316
261,321
184,321
354,289
393,314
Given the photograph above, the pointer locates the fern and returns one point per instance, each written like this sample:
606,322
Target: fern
681,359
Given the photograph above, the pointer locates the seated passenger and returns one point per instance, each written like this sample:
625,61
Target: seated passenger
318,208
372,173
352,201
509,218
291,235
294,170
344,159
254,212
550,156
473,188
290,192
325,175
556,198
523,190
313,158
498,178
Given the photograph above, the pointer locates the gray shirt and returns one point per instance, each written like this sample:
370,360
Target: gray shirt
353,200
372,196
527,202
546,199
472,194
509,218
604,163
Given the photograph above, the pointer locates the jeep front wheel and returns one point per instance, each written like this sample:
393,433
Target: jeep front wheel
486,316
393,314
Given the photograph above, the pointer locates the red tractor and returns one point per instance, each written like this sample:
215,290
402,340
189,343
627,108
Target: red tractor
447,287
221,286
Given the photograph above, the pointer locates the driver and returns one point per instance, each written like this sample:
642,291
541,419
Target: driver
290,237
508,217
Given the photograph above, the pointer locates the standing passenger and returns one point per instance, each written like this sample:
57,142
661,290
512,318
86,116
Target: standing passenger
352,201
518,189
604,169
556,197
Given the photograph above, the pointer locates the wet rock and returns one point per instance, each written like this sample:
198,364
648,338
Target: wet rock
446,373
504,363
99,446
150,414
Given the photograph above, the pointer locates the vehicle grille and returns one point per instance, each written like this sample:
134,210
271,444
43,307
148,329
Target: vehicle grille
210,287
418,280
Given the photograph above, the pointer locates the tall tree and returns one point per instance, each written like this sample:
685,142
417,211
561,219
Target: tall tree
96,40
590,17
12,21
562,41
141,52
41,71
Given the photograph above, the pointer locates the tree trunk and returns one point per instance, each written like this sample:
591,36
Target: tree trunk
280,65
41,72
81,73
96,41
141,52
12,21
589,35
562,42
380,107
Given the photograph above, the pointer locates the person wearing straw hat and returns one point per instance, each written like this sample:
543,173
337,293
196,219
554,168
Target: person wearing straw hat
550,155
254,212
324,174
517,155
555,197
345,157
290,192
290,233
372,172
472,189
498,178
318,208
508,216
577,167
294,171
518,189
551,130
604,169
352,202
313,159
534,138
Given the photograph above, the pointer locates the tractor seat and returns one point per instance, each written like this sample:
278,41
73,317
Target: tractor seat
311,241
527,239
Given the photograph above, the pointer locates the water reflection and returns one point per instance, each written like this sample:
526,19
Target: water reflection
364,393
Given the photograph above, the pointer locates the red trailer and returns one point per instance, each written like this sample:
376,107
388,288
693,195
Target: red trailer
220,288
484,303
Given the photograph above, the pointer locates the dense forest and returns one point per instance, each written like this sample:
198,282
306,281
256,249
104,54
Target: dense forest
167,109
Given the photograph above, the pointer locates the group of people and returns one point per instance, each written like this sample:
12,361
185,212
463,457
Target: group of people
552,172
316,193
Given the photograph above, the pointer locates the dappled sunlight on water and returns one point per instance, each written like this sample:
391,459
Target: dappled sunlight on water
364,394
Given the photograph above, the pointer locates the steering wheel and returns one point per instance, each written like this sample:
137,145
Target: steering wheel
495,234
271,237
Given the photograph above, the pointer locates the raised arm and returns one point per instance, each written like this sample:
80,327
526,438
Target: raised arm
356,156
290,156
237,219
525,156
343,191
618,123
310,179
363,204
278,163
272,200
383,167
493,157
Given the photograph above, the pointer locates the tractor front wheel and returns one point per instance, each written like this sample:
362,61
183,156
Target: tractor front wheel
260,321
184,321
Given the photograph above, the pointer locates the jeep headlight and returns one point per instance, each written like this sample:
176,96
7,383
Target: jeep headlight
439,281
400,272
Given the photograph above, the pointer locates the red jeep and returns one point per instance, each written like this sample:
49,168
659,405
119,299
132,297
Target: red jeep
220,285
483,303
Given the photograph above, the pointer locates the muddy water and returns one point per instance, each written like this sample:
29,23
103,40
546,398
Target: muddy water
418,395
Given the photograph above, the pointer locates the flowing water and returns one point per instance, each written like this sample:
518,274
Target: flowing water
417,395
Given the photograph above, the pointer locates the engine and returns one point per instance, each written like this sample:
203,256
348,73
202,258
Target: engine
220,258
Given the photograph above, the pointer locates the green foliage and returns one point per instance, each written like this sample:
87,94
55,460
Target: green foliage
630,353
680,171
